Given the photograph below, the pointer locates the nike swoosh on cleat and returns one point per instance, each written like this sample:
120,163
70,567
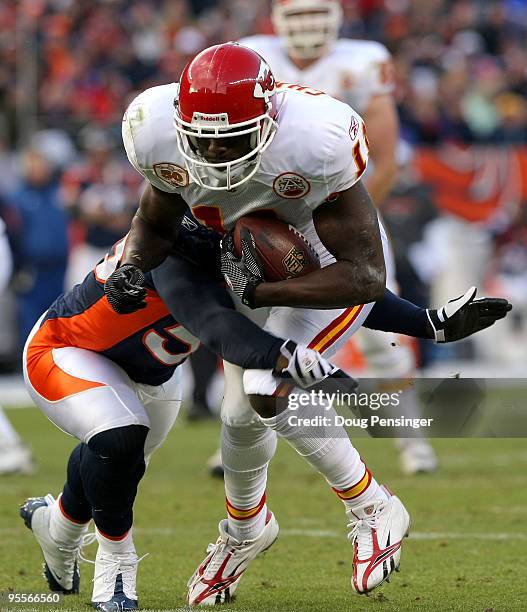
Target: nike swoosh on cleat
55,575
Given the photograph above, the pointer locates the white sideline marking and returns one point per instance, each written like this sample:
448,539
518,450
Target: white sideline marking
330,534
415,535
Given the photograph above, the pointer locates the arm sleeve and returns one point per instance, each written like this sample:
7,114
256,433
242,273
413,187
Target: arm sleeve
199,245
142,134
205,308
378,76
393,314
350,156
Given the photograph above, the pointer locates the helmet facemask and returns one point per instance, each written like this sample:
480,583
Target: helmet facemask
223,175
308,27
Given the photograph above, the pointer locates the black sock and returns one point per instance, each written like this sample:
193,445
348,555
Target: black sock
111,468
73,500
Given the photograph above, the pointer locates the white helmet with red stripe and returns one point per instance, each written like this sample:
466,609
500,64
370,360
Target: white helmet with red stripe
307,27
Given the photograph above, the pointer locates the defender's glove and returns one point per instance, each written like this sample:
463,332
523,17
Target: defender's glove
242,274
125,289
465,316
307,368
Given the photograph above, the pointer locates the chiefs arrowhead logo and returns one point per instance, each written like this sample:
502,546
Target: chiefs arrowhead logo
291,186
265,82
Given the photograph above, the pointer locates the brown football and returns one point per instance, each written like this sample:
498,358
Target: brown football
284,252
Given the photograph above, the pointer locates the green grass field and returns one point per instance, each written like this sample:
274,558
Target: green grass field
466,550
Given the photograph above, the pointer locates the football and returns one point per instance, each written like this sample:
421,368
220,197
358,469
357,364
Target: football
284,252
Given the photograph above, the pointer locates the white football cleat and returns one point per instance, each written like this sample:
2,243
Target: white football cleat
60,562
377,530
16,459
114,581
417,457
218,576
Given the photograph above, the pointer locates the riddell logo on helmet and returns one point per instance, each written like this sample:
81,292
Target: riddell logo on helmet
200,118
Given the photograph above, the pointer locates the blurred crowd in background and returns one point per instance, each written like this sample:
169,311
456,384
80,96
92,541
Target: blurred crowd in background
68,68
460,64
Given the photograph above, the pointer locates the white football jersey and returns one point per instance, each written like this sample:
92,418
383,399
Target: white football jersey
353,71
319,150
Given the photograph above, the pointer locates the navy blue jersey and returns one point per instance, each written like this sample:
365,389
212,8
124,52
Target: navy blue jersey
186,292
148,344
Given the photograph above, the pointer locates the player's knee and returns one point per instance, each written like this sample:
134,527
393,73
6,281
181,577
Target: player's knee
247,448
121,444
236,409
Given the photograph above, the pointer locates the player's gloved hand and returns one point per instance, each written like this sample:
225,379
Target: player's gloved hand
242,274
465,316
307,368
125,289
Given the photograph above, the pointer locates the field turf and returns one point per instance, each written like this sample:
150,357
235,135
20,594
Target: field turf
466,550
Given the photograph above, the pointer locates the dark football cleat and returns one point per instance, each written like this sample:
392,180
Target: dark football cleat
119,602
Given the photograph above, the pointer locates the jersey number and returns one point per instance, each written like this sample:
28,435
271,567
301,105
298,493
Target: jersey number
310,91
166,348
359,159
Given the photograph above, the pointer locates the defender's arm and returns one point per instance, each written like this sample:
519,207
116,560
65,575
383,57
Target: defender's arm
201,305
457,319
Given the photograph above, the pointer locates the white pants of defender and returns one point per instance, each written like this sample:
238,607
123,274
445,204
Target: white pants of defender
116,401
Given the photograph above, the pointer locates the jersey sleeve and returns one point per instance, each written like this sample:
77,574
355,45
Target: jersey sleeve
139,142
257,43
378,72
349,158
128,138
250,41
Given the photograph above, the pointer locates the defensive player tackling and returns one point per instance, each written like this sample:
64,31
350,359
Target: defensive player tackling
227,141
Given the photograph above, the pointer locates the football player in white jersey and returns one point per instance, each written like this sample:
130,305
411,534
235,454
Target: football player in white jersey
227,141
308,51
15,456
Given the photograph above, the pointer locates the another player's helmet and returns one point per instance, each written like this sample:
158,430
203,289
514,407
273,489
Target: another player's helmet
307,27
226,92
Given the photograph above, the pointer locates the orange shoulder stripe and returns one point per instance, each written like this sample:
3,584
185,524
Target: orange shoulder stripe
99,327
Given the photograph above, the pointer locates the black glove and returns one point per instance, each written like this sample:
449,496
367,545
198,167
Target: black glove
465,316
242,274
125,289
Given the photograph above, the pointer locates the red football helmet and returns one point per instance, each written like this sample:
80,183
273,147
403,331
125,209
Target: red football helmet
227,91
